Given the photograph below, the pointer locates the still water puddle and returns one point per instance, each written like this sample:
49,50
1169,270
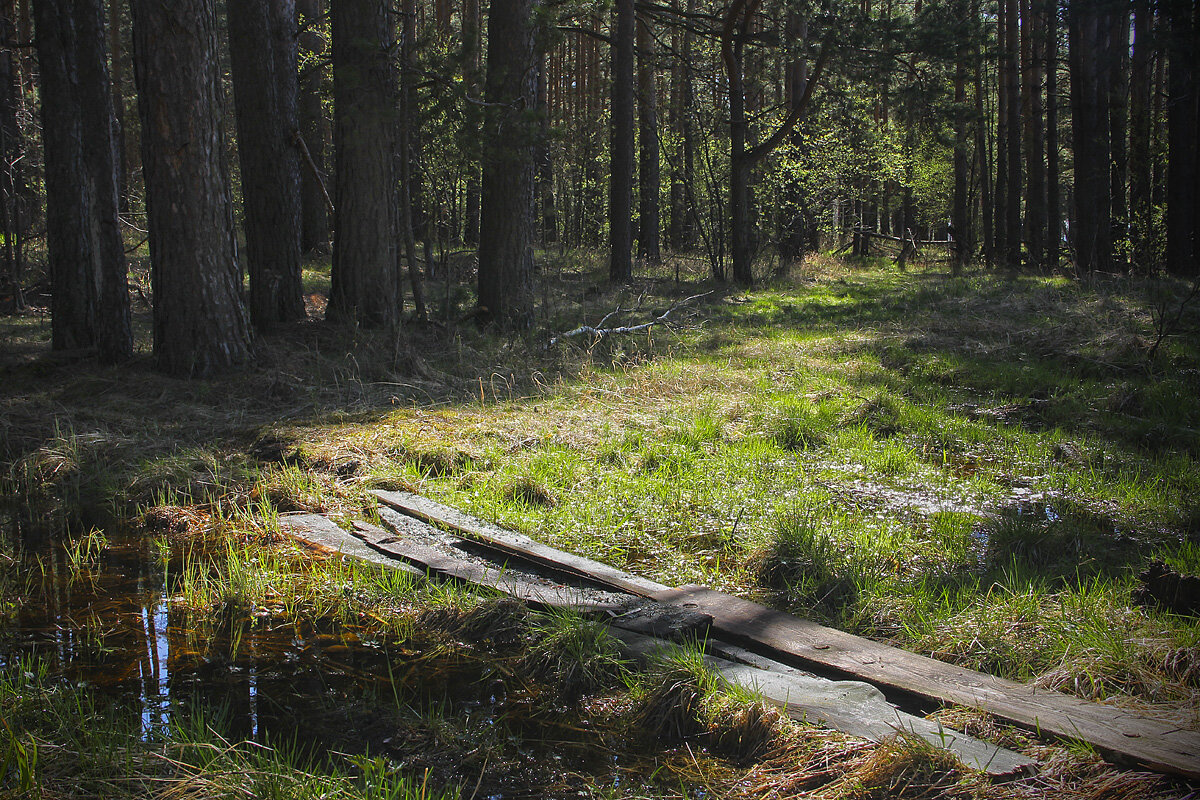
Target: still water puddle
119,627
114,626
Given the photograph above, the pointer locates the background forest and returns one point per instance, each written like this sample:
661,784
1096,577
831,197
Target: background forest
881,313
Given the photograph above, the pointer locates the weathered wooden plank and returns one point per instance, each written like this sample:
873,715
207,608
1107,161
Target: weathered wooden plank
1119,735
518,544
393,543
852,707
324,535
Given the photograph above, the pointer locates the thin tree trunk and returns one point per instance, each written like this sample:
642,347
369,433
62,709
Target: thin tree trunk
1092,228
649,178
620,195
983,154
200,325
473,121
365,277
11,150
114,332
1117,21
1053,178
406,154
117,54
1183,122
314,225
1003,196
1140,87
1032,51
1012,210
262,49
960,209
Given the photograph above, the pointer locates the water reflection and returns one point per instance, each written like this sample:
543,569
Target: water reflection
112,625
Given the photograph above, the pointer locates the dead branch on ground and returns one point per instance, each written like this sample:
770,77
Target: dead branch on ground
598,331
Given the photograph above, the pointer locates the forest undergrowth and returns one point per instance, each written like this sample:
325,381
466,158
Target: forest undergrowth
975,468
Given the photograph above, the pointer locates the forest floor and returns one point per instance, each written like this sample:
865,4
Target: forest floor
974,468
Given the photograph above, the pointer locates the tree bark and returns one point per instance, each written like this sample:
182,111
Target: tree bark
1088,50
200,325
314,219
1117,23
262,49
649,179
1012,210
1053,178
506,217
960,216
11,150
1032,47
1003,197
90,304
1140,87
682,227
620,193
365,277
983,153
1183,122
117,55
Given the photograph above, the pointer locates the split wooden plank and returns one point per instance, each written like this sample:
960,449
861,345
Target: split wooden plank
394,543
1118,734
518,544
324,535
852,707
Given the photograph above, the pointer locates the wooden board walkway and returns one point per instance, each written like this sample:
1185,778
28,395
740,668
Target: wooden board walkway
852,707
1120,735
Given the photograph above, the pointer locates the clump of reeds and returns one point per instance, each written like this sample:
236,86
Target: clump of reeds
681,699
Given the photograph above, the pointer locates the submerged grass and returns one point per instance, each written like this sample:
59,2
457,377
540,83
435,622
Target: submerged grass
975,468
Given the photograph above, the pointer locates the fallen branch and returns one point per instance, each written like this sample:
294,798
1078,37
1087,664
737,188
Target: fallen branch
599,331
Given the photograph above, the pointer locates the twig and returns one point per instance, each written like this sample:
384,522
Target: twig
599,332
297,141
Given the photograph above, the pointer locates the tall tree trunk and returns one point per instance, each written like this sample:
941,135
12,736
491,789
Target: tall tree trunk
470,57
365,277
1003,196
507,196
407,157
1012,210
737,22
314,214
798,225
114,332
649,179
1032,52
117,54
983,153
1053,177
960,215
1183,122
545,158
620,194
1140,87
11,151
72,258
683,211
262,50
1092,229
90,302
1117,22
200,325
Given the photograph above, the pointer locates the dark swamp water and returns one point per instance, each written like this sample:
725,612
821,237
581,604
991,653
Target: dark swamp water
317,687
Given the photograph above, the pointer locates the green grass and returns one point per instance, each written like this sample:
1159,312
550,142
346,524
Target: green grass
974,468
